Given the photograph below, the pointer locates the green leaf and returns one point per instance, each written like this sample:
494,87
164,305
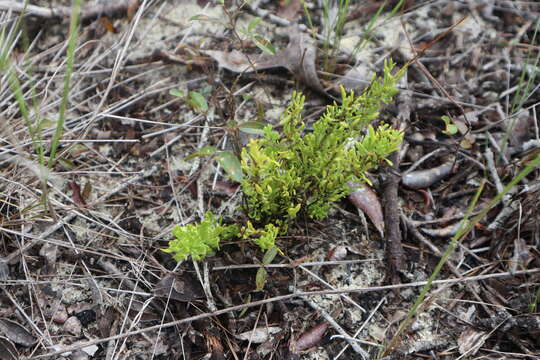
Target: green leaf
45,123
252,127
196,240
202,17
230,164
66,163
451,128
197,101
253,24
269,256
204,151
260,278
244,310
265,45
176,92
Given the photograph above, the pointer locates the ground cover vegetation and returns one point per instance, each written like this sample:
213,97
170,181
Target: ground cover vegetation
269,179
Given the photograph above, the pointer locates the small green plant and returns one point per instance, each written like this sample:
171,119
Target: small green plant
296,172
200,240
263,44
292,174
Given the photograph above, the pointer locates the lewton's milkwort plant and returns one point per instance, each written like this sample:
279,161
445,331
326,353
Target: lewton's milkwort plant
297,173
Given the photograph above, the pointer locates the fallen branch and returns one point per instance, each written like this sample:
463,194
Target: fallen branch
112,9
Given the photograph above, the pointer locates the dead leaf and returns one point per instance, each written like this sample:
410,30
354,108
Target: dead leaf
337,253
16,333
471,340
288,9
238,62
107,24
181,287
259,335
87,190
366,200
311,337
224,187
77,197
299,57
7,350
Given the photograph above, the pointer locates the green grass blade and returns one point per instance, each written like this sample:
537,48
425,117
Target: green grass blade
72,43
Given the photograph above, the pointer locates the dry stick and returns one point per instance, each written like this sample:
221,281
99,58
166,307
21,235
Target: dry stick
394,248
292,266
116,8
66,219
283,298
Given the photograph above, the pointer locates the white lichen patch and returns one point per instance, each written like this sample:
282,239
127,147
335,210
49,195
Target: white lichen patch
149,219
72,295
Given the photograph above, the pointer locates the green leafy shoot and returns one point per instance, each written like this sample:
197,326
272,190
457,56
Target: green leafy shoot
287,174
198,240
194,99
262,43
294,172
451,128
228,161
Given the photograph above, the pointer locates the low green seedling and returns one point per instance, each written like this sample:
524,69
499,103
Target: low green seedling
200,240
298,173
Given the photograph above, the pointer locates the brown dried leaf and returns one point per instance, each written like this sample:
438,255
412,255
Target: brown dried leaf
181,287
77,197
337,253
87,190
106,319
228,188
289,9
107,24
238,62
471,340
299,57
311,337
16,333
366,200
